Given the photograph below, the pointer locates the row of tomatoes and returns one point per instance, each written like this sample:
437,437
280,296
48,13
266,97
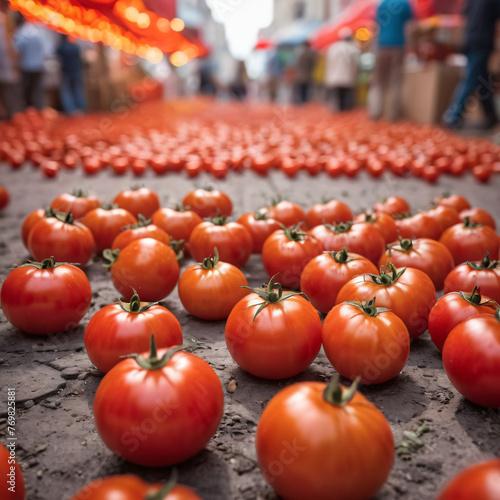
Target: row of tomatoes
222,139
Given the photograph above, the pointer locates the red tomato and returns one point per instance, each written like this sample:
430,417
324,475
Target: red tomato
430,256
444,216
331,212
430,173
362,340
146,265
58,236
471,357
272,335
392,205
50,168
480,482
326,274
29,222
455,201
91,165
137,201
408,293
260,226
160,410
4,197
120,165
106,224
232,240
286,252
211,289
382,222
77,203
42,298
482,173
287,212
308,433
478,216
143,229
129,487
334,167
13,487
468,241
453,308
418,225
208,202
128,329
484,274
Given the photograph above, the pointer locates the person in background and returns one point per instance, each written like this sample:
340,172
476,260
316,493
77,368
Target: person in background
29,43
342,65
274,74
481,18
71,90
392,17
305,60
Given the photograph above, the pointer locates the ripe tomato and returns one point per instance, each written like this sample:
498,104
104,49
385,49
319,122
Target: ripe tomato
29,222
260,226
392,205
482,173
146,265
77,203
42,298
177,222
418,225
444,216
455,201
382,222
50,168
363,340
286,252
57,235
480,481
330,212
4,197
484,274
362,238
309,431
208,202
13,487
143,229
471,357
129,487
211,289
478,216
128,329
408,293
272,335
430,256
141,200
286,212
326,274
106,223
468,241
232,240
160,410
453,308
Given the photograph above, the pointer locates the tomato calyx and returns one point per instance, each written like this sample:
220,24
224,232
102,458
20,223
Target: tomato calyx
109,206
486,263
49,263
404,245
341,227
388,278
371,218
178,247
342,256
67,218
402,215
219,220
110,256
142,222
166,489
334,394
368,307
475,298
293,233
261,215
154,362
471,225
270,296
182,208
79,193
134,306
211,262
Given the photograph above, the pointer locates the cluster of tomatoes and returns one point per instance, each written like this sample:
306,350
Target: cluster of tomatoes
228,138
375,276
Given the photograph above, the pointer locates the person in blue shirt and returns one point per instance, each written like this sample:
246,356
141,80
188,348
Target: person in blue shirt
481,18
392,18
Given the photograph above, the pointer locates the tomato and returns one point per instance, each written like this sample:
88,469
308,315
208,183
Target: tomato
362,340
471,357
232,240
408,293
29,222
141,200
478,216
160,410
334,167
382,222
146,265
77,203
286,252
272,335
330,212
444,216
59,236
208,202
4,197
482,173
211,289
120,328
50,168
419,225
106,223
139,167
480,482
287,212
120,165
392,205
46,297
455,201
430,173
430,256
309,432
484,274
260,226
13,481
468,241
129,487
326,274
453,308
143,229
361,238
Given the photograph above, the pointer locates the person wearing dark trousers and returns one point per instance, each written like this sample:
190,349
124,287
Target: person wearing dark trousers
481,18
305,60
